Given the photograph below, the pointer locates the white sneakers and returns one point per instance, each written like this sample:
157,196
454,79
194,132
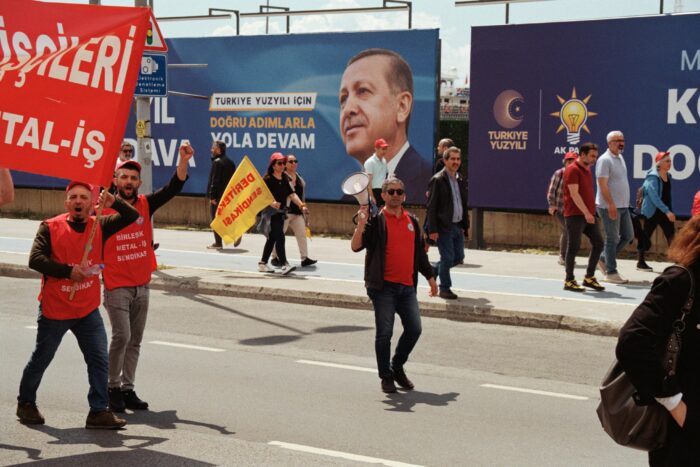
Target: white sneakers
286,269
615,278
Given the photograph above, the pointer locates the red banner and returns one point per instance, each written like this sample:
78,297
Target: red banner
67,79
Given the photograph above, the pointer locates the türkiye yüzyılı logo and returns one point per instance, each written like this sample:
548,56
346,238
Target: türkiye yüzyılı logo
509,113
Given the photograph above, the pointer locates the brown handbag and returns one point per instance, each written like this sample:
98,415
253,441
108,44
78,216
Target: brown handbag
621,412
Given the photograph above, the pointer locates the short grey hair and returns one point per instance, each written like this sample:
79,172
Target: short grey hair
391,181
614,134
450,150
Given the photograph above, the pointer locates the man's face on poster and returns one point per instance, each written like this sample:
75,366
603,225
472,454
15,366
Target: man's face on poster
369,107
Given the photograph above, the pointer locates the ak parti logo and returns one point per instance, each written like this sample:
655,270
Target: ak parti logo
574,115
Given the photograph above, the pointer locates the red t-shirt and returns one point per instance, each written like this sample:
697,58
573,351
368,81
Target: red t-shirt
576,174
400,243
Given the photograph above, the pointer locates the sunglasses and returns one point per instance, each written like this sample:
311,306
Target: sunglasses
127,150
292,162
279,163
394,191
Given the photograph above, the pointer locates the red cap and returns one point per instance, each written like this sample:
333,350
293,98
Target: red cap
75,183
660,156
570,156
130,164
277,156
380,143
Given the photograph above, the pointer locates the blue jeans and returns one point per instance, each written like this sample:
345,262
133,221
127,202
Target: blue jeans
400,299
618,233
92,340
450,244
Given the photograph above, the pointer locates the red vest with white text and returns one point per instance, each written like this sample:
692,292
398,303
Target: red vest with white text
128,255
67,247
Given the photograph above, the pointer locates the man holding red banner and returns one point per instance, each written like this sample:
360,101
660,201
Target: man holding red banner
57,253
129,261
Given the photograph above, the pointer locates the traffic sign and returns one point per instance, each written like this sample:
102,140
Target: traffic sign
154,38
153,75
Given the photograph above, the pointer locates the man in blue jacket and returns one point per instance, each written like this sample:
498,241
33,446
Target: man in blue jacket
656,205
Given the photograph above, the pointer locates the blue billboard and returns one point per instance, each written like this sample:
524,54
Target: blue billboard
263,94
540,90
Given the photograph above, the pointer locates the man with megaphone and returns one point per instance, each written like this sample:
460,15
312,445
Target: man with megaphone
395,255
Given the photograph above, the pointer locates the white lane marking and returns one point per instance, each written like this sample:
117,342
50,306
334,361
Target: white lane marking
32,327
550,297
337,365
535,391
340,454
186,346
25,253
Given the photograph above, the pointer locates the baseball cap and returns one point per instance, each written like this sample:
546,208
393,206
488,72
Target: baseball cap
130,164
380,143
661,156
277,156
75,183
570,156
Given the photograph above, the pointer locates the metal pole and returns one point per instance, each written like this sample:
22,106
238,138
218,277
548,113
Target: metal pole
507,12
144,143
661,7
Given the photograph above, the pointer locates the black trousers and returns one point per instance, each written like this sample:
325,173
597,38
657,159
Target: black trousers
575,227
275,239
659,219
212,211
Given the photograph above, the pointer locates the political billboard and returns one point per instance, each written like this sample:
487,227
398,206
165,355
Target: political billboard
263,94
541,90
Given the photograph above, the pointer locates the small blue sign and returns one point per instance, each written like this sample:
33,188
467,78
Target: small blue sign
153,74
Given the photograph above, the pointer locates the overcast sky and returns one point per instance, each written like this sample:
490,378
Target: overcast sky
455,23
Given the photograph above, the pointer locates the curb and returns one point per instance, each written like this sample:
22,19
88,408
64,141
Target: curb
453,311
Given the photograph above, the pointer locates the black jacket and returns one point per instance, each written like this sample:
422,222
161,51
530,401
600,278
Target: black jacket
222,169
374,240
440,206
640,349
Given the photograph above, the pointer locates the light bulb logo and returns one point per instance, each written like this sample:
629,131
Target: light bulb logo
573,115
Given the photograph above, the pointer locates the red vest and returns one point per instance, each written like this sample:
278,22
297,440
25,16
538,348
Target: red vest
128,255
67,247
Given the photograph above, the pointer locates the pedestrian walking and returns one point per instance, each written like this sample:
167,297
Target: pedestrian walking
612,202
394,256
448,221
282,190
555,200
296,218
222,169
70,298
129,261
443,145
376,168
656,206
579,216
641,344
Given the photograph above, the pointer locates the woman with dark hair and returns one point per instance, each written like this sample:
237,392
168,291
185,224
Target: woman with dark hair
641,348
282,190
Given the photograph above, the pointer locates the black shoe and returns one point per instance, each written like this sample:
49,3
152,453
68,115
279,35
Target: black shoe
104,420
402,380
388,385
592,282
573,286
308,262
132,401
643,266
116,400
155,246
276,262
28,413
448,294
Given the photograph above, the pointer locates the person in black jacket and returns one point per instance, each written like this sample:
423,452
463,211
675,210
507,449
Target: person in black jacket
395,255
448,221
640,350
222,169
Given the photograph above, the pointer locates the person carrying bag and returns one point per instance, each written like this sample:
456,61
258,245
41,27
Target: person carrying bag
658,351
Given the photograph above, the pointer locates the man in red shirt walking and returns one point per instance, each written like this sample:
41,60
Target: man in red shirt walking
395,254
579,215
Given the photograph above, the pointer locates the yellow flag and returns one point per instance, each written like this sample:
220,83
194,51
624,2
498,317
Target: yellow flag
246,195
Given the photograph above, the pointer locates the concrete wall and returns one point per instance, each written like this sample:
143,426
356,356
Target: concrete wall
500,228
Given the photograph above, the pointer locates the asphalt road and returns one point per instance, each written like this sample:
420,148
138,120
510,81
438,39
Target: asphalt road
246,382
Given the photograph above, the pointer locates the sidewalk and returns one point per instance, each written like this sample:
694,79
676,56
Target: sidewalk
494,287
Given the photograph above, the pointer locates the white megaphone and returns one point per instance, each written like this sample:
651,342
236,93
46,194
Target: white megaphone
356,184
